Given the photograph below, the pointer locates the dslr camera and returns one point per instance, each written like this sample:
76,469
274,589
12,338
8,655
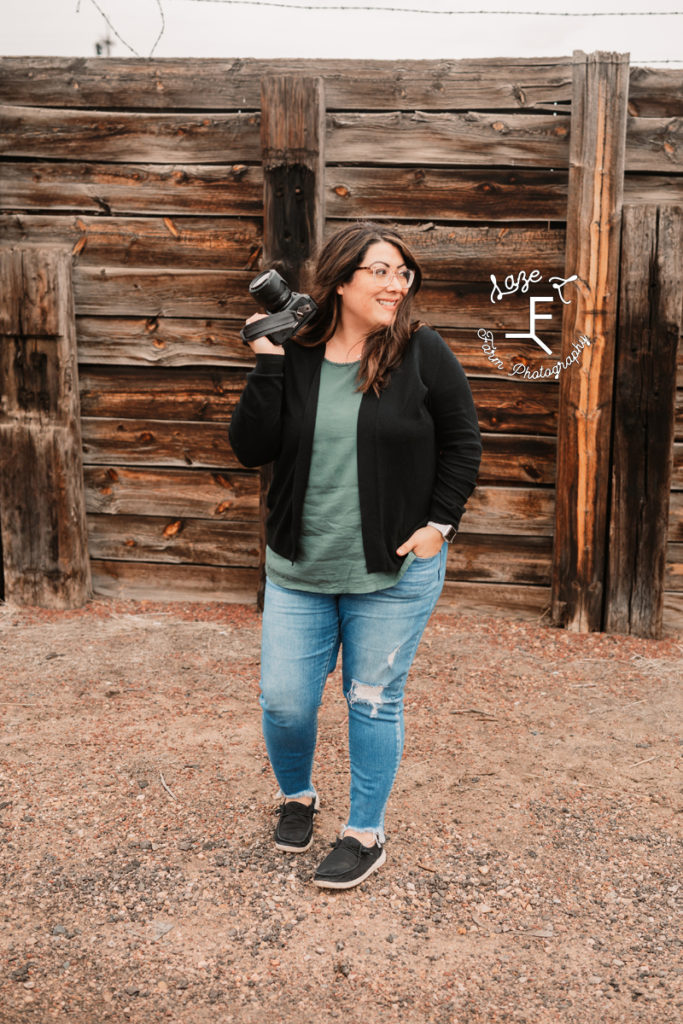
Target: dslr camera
287,311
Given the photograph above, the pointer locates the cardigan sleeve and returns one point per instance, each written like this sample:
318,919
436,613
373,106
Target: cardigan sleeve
457,432
255,427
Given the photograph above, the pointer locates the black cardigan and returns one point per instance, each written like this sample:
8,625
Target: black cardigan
419,446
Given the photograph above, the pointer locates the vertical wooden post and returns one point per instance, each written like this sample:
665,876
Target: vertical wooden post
650,322
596,172
293,153
42,505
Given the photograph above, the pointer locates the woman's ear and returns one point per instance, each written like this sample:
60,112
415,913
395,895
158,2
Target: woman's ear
340,289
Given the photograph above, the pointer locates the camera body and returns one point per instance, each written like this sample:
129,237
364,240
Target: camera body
288,311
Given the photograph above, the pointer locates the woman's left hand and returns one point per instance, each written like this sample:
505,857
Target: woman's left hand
425,542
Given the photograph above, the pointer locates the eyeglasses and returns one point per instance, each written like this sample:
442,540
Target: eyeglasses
383,274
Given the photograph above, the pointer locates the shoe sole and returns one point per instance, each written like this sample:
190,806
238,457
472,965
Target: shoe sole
323,884
294,849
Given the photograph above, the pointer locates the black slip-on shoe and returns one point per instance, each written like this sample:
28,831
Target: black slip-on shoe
349,864
294,832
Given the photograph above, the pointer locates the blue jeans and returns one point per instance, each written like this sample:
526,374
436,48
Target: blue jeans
378,634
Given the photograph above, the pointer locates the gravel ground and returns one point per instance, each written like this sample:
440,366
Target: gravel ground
533,857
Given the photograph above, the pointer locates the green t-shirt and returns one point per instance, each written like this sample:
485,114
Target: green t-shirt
330,558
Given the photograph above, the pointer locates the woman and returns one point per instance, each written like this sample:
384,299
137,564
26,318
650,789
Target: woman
369,420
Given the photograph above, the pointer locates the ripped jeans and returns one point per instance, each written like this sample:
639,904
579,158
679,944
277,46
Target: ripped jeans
378,634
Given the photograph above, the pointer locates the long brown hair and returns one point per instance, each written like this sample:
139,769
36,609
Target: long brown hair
339,258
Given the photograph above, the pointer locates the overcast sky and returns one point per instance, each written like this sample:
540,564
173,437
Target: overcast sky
306,28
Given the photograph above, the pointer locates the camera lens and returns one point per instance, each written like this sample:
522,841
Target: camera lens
271,290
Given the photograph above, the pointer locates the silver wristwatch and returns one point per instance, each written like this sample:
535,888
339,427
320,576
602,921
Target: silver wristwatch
448,532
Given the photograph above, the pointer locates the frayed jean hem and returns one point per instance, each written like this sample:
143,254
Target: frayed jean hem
297,796
378,833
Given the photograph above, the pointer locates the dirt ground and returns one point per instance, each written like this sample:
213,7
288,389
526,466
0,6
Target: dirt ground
533,837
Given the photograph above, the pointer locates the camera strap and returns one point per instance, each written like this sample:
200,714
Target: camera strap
283,321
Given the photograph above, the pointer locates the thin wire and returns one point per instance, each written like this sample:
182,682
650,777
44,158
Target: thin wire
393,10
421,10
161,30
118,36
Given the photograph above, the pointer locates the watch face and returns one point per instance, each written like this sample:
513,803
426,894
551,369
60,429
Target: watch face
450,534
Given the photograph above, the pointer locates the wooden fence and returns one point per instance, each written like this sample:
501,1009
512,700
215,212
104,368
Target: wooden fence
169,183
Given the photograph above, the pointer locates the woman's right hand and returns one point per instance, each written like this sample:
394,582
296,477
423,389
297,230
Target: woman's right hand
263,345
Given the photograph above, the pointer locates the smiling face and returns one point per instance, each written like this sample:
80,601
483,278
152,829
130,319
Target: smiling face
366,303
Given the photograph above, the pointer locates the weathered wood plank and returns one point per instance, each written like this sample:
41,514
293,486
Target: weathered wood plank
461,253
169,341
168,541
527,603
655,92
42,509
350,192
205,395
673,614
444,193
210,395
673,576
154,581
233,190
495,83
499,83
478,559
654,144
161,341
675,534
473,253
529,407
677,468
123,291
165,292
176,493
584,430
525,140
398,193
147,442
164,542
205,542
517,459
653,189
516,511
129,136
415,138
183,242
650,323
467,304
228,496
477,361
